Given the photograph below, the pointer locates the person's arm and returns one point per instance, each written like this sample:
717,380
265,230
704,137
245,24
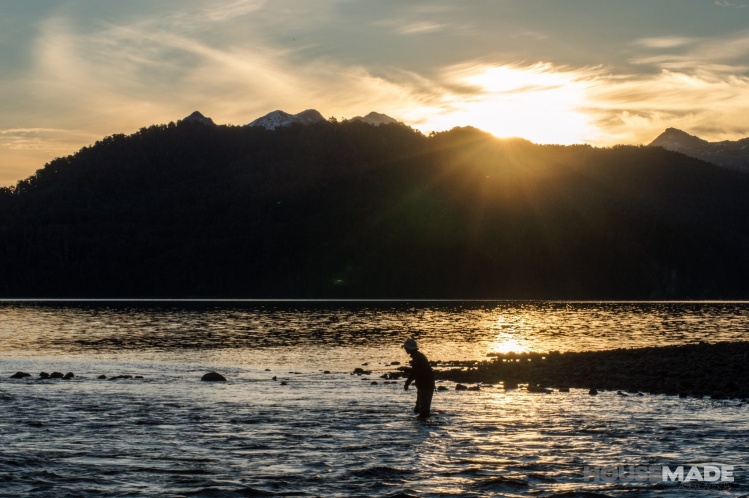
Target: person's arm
409,380
416,367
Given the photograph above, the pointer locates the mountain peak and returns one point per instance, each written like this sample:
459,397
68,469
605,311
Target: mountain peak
729,154
675,139
278,119
197,117
375,118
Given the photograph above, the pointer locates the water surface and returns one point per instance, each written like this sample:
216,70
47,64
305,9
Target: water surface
338,434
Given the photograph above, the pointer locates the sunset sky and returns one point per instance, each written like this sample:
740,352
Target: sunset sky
553,71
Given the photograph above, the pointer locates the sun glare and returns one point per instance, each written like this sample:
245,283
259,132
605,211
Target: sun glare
507,345
539,103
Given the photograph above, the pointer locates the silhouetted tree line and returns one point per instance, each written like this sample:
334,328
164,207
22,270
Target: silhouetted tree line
351,210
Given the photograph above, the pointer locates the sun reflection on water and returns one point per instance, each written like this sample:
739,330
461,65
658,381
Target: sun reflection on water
511,335
507,344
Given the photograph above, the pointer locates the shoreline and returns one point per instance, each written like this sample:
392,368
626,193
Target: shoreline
719,370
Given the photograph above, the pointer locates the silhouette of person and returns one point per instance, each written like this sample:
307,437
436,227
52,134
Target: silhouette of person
422,375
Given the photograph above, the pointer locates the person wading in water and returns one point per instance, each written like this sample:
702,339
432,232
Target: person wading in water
422,375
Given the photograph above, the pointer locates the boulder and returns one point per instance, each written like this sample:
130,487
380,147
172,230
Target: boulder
20,375
461,387
69,375
44,375
56,375
213,377
102,377
117,377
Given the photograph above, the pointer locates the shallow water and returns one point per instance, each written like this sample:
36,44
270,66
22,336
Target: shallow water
337,434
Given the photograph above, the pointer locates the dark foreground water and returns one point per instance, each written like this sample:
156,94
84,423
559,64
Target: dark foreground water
337,434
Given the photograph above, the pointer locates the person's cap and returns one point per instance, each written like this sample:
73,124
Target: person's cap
410,345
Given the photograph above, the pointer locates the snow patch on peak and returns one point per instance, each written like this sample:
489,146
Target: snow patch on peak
278,119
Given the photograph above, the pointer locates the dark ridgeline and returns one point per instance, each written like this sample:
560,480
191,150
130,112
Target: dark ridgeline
350,210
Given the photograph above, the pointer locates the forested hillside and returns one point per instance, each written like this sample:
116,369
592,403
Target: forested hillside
351,210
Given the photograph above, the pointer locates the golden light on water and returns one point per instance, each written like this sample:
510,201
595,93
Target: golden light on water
509,335
505,345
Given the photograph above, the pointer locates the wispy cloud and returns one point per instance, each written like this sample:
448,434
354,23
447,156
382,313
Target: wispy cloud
420,27
726,3
233,10
27,149
728,54
547,103
89,76
540,102
665,42
127,76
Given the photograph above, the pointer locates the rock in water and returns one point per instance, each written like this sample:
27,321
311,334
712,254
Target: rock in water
20,375
213,377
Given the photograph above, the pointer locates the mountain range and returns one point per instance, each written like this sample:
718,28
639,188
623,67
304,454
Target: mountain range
345,209
727,153
277,119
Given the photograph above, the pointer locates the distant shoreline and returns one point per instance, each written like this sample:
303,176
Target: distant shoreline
360,300
719,370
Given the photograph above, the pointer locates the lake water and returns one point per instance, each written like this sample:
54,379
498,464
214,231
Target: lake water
337,434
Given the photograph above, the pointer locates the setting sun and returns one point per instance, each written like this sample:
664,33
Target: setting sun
538,102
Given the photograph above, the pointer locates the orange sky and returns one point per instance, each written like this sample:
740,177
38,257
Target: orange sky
593,71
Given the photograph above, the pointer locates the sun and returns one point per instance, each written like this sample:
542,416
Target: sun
539,102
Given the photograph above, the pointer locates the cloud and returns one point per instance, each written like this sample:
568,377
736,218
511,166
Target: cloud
233,10
236,60
114,78
727,54
665,42
726,3
46,140
539,102
637,108
420,28
27,149
555,104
